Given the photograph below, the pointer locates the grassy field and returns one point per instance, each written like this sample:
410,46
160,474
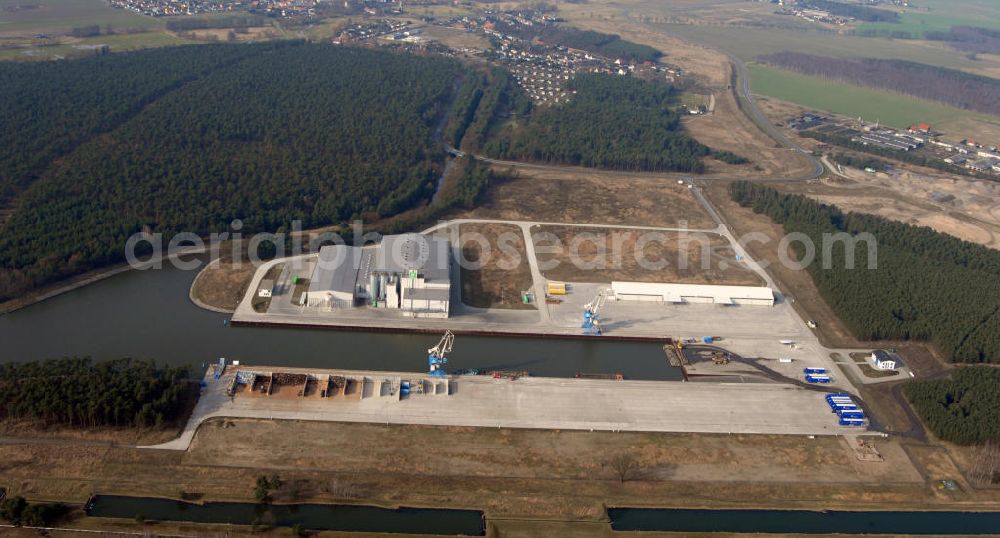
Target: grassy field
748,43
942,15
848,100
82,47
916,23
50,16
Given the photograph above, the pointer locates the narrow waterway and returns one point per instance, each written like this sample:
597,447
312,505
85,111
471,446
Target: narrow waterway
806,522
344,518
147,314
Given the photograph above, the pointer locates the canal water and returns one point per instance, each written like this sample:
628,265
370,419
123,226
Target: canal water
147,315
799,521
344,518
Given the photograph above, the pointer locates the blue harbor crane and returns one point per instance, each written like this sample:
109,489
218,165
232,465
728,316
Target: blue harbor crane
436,355
592,314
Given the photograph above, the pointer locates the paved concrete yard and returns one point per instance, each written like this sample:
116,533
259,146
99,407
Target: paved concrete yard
548,403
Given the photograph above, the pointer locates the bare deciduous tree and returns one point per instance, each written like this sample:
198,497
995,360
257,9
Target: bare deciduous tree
625,466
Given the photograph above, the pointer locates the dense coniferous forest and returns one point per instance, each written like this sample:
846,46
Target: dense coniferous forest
51,107
927,285
611,122
78,392
956,88
608,45
463,110
964,409
862,13
502,98
316,133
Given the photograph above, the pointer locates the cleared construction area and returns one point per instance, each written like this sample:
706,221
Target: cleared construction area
496,273
582,254
521,402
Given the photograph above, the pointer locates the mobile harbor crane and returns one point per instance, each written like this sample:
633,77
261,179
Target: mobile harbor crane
592,314
436,355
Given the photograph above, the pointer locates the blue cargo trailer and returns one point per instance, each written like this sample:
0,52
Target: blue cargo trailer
814,370
838,395
851,413
845,407
852,421
818,378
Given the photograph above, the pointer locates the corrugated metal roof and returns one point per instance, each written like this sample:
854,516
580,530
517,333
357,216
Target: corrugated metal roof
674,292
336,269
429,256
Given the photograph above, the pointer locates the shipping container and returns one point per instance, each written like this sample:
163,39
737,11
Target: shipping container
852,421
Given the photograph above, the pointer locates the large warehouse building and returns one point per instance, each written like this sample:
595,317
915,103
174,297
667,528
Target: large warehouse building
693,293
409,272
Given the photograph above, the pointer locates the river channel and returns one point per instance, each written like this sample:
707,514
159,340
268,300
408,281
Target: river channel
147,315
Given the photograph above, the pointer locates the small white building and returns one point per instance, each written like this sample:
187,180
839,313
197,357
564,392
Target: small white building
693,293
266,288
882,360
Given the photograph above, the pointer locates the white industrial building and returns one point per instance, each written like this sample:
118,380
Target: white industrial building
333,284
409,272
882,360
692,293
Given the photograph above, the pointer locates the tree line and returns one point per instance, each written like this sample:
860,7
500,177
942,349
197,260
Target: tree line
78,392
289,131
233,21
963,408
861,163
608,45
925,285
859,12
969,39
956,88
611,122
18,511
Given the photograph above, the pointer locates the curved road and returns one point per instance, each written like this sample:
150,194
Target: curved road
744,97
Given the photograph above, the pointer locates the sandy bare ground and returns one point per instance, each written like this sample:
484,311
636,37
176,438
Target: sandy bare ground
965,208
503,269
591,197
221,285
601,255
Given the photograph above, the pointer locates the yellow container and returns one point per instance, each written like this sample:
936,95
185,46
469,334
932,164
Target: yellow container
556,288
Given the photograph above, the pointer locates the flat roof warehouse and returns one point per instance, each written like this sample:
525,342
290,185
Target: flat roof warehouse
408,272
